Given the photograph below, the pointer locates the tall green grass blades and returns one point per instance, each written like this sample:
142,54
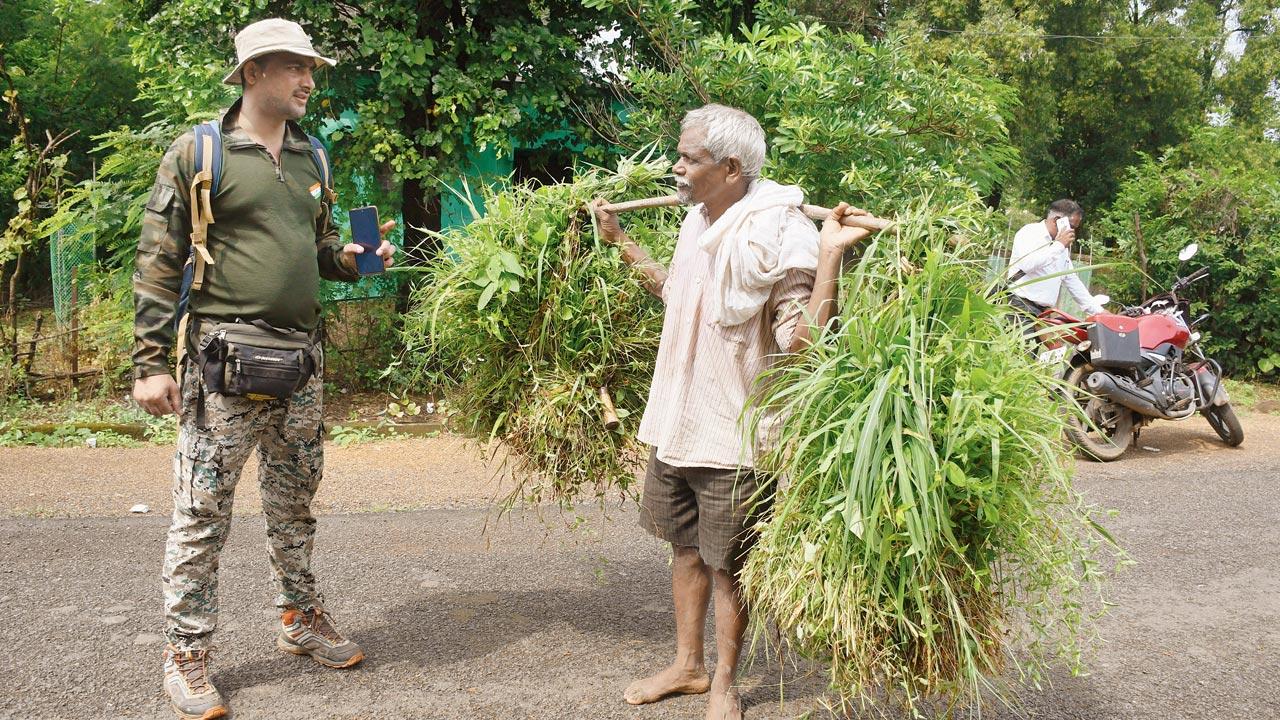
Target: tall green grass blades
926,539
530,314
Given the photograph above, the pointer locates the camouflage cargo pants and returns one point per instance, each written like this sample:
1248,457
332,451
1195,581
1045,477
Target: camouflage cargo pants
289,437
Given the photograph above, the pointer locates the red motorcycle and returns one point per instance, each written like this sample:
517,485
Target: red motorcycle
1144,363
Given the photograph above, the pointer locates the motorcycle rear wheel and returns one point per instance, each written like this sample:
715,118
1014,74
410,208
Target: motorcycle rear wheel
1223,420
1109,430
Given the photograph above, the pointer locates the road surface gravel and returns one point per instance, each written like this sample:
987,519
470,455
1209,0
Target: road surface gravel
541,616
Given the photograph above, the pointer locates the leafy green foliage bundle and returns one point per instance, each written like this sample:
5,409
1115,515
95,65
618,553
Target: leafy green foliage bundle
529,314
67,63
1221,190
925,535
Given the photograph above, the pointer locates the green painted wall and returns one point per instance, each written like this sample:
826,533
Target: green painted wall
461,200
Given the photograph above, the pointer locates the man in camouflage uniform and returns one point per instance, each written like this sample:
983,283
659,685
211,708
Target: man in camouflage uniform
272,241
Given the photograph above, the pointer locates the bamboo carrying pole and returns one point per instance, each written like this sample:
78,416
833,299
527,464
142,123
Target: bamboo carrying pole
814,212
611,420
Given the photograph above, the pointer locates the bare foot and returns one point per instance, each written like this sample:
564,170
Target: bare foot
672,681
724,705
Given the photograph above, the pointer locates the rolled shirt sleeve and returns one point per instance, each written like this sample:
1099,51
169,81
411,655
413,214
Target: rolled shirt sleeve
788,303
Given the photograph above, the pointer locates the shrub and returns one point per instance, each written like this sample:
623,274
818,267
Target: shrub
1221,189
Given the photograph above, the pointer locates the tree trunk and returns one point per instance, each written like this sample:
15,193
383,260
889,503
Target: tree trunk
421,209
420,198
4,305
12,309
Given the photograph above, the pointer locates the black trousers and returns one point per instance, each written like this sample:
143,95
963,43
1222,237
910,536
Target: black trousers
1025,312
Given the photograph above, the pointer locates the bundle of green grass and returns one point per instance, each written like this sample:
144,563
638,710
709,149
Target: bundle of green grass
925,540
529,314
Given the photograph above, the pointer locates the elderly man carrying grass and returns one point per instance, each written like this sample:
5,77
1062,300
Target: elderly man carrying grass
751,280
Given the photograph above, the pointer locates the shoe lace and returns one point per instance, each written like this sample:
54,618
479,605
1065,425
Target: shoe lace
191,664
322,624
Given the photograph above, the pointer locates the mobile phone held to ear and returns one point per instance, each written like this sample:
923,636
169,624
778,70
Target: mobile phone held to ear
364,231
1063,223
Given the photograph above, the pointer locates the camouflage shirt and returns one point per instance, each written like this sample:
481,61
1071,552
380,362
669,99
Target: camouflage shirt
272,240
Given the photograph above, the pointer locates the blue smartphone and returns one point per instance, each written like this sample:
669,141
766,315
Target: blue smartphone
364,231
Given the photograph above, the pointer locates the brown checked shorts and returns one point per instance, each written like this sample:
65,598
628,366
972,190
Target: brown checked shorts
706,508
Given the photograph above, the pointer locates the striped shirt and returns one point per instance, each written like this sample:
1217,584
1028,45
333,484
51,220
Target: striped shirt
705,372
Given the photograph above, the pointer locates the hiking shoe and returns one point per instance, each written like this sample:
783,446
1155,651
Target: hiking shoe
186,680
312,632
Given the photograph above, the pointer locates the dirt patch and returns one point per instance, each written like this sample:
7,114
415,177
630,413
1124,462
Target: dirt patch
344,406
452,471
448,471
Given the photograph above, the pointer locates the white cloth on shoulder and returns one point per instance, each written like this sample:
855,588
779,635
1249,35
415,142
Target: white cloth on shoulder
751,251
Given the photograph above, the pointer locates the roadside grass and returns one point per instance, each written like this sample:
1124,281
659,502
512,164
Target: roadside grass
77,420
103,421
96,422
64,436
73,410
1254,397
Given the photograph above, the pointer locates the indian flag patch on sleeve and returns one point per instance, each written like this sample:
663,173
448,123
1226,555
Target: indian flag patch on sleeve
315,191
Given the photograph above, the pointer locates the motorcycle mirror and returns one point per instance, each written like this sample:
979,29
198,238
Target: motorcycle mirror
1102,299
1188,252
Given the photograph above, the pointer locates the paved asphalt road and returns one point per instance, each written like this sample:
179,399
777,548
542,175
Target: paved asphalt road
531,622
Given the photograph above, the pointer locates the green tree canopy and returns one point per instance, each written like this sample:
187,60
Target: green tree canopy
417,83
67,65
875,124
69,62
1099,81
64,77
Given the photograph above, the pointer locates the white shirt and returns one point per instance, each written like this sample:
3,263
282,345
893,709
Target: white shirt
1037,254
705,372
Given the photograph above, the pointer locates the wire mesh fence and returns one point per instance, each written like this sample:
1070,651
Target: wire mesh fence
69,251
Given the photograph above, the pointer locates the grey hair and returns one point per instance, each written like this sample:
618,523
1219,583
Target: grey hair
730,132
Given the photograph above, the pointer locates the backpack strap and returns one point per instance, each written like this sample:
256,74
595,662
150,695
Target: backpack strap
204,185
321,158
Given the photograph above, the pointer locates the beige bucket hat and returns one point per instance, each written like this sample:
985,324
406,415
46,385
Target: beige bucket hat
268,36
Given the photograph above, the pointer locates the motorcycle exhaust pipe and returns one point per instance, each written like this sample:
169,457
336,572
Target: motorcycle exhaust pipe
1105,385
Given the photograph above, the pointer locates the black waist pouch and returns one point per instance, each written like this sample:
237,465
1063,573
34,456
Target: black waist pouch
256,361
